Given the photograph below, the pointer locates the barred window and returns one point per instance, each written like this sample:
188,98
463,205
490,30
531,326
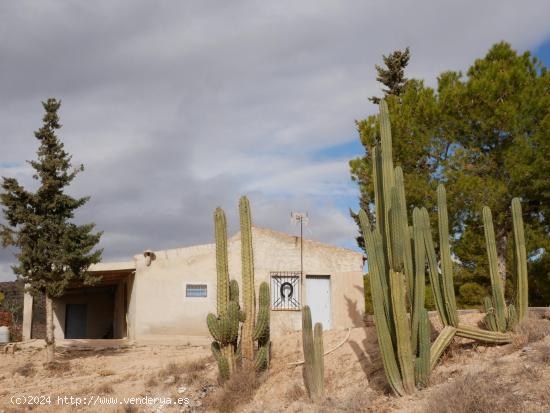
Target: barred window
285,290
196,290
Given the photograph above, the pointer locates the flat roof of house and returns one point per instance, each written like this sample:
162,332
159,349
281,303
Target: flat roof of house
113,266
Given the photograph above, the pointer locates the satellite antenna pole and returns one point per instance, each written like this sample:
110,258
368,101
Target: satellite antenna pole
303,219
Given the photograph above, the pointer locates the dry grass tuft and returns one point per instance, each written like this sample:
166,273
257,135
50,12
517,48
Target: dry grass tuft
473,393
534,329
151,382
104,388
106,372
238,390
191,369
295,392
57,368
26,370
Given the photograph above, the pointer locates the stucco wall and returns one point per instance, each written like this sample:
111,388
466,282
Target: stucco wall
161,308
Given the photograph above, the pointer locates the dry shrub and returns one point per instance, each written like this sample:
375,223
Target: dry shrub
151,382
534,329
529,372
104,388
540,354
238,390
473,393
26,370
192,370
359,401
57,368
295,393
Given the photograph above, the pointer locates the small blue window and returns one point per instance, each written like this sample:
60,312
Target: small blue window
195,290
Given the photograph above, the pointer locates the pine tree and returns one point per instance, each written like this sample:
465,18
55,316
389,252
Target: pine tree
393,77
486,135
52,250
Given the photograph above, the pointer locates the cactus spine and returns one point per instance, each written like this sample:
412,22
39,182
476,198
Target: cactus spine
313,369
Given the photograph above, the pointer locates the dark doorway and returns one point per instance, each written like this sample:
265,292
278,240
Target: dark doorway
75,320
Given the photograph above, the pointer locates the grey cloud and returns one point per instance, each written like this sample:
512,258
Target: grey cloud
178,107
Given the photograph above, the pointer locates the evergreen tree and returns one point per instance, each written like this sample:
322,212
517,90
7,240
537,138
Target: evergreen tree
393,77
52,250
486,135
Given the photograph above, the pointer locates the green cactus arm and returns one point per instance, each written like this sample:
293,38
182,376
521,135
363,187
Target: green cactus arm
489,319
419,293
520,256
422,365
318,362
404,224
440,344
214,327
402,330
397,234
512,321
375,257
445,251
383,321
475,333
435,279
222,267
307,346
223,364
261,358
248,279
234,291
497,288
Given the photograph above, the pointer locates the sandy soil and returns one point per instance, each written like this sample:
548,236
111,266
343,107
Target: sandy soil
354,377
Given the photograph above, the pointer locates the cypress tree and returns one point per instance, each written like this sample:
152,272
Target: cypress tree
53,251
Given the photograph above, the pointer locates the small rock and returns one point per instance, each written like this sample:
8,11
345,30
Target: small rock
182,389
170,380
481,349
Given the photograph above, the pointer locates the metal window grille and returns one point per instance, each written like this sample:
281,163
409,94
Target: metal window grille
196,290
285,290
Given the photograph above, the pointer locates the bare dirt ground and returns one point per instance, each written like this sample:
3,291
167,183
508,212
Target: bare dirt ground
470,378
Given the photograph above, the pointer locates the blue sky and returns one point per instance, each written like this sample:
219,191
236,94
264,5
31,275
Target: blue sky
175,111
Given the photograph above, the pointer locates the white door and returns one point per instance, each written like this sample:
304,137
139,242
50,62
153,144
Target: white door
318,299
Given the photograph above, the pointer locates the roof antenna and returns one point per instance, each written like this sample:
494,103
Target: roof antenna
300,218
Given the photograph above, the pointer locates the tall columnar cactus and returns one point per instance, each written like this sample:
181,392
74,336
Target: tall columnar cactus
262,329
397,269
314,368
499,317
225,326
398,280
228,349
247,341
520,258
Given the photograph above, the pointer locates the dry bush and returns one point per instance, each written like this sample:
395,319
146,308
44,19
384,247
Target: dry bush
295,392
57,368
192,370
478,392
360,401
540,354
104,388
151,382
534,329
238,390
26,370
